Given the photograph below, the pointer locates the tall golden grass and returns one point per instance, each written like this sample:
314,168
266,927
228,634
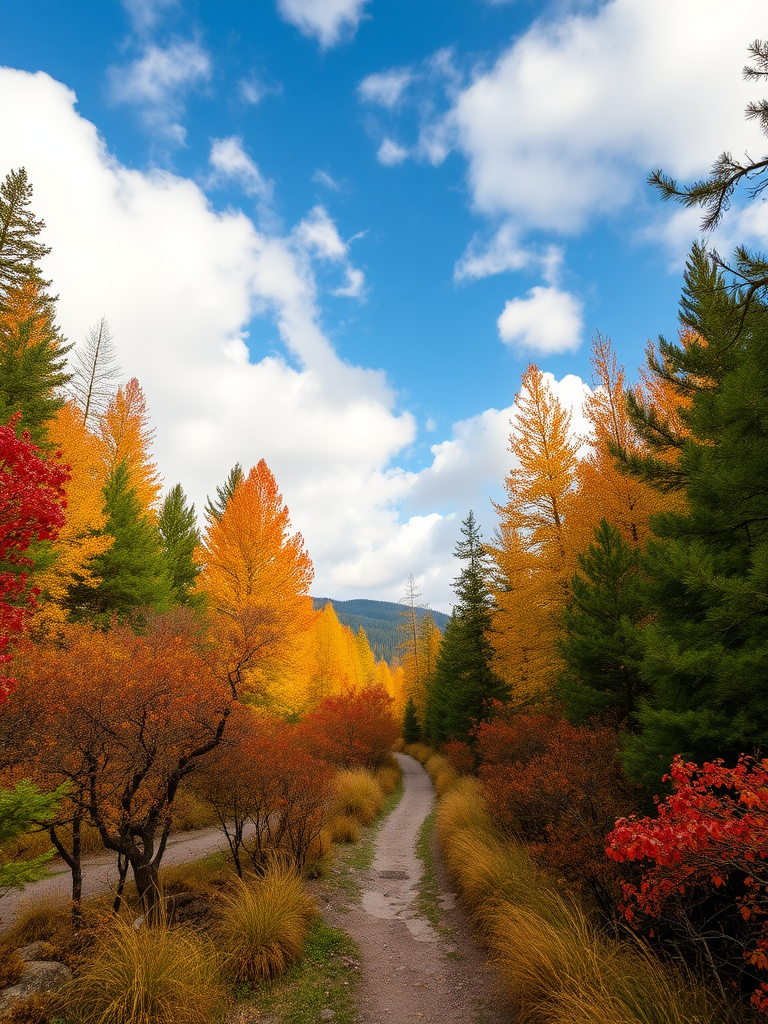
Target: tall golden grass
388,778
358,794
444,776
557,965
419,750
262,924
158,975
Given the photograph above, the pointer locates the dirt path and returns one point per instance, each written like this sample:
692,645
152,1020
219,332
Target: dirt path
100,872
410,971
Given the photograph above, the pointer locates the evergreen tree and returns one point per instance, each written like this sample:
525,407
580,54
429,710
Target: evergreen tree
602,647
179,536
20,251
411,727
706,651
132,572
216,507
464,679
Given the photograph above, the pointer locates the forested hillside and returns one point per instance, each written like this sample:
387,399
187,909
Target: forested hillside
381,620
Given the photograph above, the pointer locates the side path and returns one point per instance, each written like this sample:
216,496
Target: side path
410,973
100,872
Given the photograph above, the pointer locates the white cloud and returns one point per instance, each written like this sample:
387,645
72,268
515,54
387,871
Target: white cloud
158,82
146,13
230,162
504,252
321,177
391,153
385,88
548,321
355,284
328,21
251,90
567,123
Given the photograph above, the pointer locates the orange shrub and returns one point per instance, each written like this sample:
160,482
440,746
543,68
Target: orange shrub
356,729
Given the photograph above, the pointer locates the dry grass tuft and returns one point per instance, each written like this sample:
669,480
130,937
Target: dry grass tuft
344,829
158,975
388,778
11,967
204,876
262,924
49,920
444,776
420,751
358,794
556,964
40,1009
399,745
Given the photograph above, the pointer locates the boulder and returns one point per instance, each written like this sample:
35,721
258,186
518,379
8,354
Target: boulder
39,977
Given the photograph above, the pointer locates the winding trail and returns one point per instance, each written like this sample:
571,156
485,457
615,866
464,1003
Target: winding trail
411,972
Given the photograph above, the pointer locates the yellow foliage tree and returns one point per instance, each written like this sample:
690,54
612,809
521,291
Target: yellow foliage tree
256,575
126,436
534,547
80,539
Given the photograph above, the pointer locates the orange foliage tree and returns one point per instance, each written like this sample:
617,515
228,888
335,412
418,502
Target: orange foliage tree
351,730
255,576
123,719
271,796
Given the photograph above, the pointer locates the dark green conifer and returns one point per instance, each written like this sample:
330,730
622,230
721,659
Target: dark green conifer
179,536
216,507
602,646
411,727
132,571
464,681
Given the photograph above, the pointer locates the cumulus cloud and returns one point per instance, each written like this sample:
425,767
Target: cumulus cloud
158,82
391,153
546,322
385,88
504,252
252,90
567,122
328,21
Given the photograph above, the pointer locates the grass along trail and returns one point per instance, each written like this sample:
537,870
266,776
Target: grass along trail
418,960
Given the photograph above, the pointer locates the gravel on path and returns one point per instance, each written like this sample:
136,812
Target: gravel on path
410,971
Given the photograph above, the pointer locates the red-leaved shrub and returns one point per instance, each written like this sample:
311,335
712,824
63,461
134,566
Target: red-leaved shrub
356,729
559,788
705,868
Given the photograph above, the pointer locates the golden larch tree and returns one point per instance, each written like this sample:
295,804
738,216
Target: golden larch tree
534,546
126,436
256,575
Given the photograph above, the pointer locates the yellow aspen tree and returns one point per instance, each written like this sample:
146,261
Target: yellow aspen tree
256,576
533,547
366,659
126,436
430,639
81,538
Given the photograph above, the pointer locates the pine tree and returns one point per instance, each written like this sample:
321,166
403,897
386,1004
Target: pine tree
411,728
706,650
601,647
179,536
20,252
216,507
131,573
464,679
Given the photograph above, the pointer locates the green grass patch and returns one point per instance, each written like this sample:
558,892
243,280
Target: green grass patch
428,899
326,977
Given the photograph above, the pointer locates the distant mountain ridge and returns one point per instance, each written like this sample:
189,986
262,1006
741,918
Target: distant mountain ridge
379,619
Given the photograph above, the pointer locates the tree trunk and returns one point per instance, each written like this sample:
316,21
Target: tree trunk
148,888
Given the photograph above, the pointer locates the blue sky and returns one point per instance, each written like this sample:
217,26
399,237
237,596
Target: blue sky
333,233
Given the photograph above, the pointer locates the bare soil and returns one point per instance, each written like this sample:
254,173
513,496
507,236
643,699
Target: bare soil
412,972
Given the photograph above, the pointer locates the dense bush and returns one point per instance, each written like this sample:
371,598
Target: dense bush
356,729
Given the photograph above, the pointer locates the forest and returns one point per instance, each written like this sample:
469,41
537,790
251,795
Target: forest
594,714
